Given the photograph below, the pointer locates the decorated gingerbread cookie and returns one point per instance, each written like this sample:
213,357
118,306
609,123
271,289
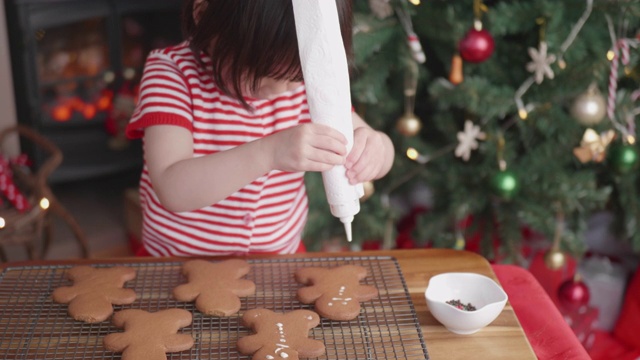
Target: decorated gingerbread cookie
336,293
280,336
95,291
215,287
149,336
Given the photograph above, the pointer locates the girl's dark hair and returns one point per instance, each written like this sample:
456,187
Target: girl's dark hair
252,39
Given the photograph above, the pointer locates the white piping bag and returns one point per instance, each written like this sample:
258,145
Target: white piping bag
326,78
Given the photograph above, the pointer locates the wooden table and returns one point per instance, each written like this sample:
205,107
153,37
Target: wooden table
502,339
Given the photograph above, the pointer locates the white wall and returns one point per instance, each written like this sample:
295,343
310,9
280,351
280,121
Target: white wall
7,100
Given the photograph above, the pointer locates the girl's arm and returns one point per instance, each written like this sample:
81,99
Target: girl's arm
185,183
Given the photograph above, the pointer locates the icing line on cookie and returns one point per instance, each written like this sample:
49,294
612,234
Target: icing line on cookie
280,347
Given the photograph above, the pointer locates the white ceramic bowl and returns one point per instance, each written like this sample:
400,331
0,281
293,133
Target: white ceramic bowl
478,290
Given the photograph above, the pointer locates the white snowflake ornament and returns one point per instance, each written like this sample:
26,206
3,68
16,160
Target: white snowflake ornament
541,61
382,9
468,140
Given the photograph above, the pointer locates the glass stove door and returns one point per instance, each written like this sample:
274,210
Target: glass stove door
74,71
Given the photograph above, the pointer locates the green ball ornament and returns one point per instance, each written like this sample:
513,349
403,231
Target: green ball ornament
623,158
505,184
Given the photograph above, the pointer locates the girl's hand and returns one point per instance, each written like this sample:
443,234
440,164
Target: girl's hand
307,147
367,157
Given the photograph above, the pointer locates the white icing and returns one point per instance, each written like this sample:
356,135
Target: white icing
280,346
269,357
344,301
341,293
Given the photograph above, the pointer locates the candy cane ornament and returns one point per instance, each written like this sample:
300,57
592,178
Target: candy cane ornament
8,188
620,53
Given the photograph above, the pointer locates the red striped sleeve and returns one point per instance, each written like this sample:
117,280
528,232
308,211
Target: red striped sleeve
164,97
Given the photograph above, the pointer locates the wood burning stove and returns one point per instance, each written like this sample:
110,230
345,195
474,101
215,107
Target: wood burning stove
76,65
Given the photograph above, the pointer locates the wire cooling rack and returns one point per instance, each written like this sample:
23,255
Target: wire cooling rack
32,326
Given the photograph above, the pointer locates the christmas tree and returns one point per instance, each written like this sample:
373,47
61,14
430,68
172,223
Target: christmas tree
516,115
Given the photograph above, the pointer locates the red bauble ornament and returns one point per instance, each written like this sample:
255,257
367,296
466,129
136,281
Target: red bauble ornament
573,294
405,241
476,46
372,245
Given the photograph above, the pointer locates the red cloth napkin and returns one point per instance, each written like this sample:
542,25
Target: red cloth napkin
547,331
628,325
607,347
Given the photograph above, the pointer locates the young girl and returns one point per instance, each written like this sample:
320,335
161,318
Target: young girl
227,134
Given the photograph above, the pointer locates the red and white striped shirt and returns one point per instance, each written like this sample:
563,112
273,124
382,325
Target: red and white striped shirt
267,215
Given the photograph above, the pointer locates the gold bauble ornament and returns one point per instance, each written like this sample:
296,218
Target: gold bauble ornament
369,190
409,124
555,259
590,107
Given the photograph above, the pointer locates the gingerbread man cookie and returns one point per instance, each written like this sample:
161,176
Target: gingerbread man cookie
280,336
95,291
336,293
149,336
215,287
